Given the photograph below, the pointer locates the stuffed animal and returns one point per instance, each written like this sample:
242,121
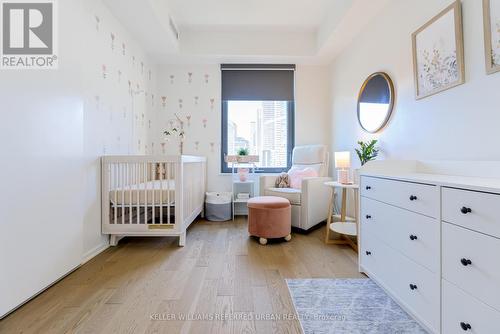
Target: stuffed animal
282,181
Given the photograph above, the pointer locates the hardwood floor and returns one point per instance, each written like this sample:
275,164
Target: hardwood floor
145,285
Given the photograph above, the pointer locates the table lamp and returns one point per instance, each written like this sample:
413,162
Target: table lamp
343,164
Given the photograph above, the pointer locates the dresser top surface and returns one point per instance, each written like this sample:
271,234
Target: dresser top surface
485,184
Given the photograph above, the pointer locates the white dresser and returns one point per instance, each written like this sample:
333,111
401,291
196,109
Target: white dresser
430,236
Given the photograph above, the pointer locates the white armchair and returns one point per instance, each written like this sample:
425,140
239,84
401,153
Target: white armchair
309,204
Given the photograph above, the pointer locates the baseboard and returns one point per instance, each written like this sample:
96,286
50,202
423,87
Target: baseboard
94,252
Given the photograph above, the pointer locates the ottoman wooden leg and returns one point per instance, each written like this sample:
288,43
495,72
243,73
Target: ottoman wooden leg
288,237
263,241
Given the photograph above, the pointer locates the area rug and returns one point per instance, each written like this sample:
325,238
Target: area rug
348,306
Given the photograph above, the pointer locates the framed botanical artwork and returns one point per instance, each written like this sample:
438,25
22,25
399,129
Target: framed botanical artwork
438,53
491,12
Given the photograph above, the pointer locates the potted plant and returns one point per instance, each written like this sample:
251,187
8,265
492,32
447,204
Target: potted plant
367,151
242,153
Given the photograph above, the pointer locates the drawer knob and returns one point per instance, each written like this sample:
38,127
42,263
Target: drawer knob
465,210
466,262
413,287
368,253
465,326
368,187
413,237
413,198
368,217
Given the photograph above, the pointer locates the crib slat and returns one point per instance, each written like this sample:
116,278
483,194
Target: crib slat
115,176
145,204
130,182
153,201
122,174
161,193
167,172
137,193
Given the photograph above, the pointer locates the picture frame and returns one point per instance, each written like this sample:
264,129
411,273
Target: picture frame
491,19
438,53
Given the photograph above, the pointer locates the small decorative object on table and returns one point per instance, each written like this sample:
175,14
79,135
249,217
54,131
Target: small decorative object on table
367,151
343,165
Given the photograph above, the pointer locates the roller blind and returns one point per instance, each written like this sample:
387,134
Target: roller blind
254,82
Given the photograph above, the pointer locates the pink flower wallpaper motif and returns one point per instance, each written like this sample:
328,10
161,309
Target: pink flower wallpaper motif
206,78
196,145
104,73
119,75
180,103
204,121
97,22
196,100
212,147
124,48
163,101
172,79
112,41
212,104
188,117
190,77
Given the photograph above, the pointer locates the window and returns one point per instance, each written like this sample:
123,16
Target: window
258,114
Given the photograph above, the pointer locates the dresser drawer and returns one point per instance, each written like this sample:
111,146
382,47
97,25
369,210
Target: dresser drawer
415,235
481,276
416,197
415,287
460,309
484,213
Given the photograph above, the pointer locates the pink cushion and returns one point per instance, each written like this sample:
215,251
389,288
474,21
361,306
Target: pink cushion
268,202
298,174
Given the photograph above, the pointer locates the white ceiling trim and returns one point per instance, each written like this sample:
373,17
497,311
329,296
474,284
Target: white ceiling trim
148,20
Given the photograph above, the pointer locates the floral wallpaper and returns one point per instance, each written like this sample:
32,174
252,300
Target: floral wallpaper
120,88
193,94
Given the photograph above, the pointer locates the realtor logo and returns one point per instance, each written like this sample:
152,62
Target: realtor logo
28,34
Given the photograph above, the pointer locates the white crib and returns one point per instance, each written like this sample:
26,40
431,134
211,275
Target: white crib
151,195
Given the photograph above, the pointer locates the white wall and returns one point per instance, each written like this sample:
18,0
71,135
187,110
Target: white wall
311,112
312,105
41,171
458,124
55,126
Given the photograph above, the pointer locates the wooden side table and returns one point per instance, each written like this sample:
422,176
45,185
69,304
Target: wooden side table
347,226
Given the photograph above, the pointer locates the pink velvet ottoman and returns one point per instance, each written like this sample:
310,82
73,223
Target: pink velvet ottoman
269,217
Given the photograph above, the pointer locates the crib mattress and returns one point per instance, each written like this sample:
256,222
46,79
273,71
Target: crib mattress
147,193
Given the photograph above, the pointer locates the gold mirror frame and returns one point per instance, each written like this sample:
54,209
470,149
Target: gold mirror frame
389,82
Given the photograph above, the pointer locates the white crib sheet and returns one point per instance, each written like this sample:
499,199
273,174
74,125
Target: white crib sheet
149,193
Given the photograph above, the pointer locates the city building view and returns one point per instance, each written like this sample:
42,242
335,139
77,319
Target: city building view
260,126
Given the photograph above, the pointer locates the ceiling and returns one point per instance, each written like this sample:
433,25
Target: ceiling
271,31
306,14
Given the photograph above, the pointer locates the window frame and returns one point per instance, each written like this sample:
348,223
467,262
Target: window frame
290,140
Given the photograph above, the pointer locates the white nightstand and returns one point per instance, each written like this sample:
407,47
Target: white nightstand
347,226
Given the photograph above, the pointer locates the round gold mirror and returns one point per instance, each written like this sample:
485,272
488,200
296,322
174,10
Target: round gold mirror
375,102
